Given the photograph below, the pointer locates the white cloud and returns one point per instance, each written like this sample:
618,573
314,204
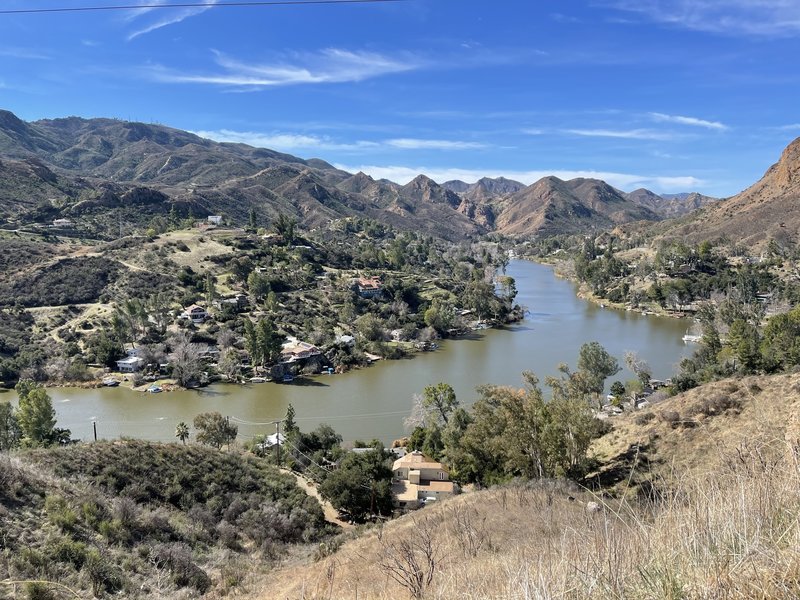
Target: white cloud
419,144
282,141
533,131
790,127
294,141
170,18
692,121
748,17
23,53
628,134
401,174
332,65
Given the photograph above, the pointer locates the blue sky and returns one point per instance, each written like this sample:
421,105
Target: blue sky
673,95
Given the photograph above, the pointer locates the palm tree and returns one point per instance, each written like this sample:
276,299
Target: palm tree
182,432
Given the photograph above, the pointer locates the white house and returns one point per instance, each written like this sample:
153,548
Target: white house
130,364
214,219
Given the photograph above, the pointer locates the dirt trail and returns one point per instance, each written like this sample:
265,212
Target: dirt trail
331,514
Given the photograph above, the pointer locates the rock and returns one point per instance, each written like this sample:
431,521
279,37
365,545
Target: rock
592,507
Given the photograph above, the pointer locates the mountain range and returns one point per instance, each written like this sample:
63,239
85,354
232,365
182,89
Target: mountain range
82,168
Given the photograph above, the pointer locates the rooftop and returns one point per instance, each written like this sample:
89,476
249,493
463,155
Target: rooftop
417,460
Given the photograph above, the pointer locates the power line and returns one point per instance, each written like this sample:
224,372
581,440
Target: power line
70,9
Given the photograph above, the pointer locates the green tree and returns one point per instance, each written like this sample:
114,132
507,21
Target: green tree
440,400
251,342
744,340
597,365
780,346
270,342
210,289
10,433
361,486
289,423
214,430
258,285
618,389
252,221
182,432
36,416
284,226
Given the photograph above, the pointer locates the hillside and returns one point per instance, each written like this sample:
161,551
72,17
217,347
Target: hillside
722,524
84,169
143,520
552,206
769,209
669,206
100,172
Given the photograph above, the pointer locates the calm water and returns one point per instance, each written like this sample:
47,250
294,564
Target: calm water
373,402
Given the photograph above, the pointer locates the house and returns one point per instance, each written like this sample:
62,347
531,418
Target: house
214,219
276,439
417,480
238,302
196,313
130,364
62,223
369,287
294,350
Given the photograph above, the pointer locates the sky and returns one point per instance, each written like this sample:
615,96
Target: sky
671,95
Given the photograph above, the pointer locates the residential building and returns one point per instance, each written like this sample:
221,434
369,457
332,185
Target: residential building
295,350
214,219
196,313
369,287
130,364
418,479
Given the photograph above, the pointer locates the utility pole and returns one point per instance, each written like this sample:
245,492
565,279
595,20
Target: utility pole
278,441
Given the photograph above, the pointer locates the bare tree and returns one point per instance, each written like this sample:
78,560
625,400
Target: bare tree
185,359
412,561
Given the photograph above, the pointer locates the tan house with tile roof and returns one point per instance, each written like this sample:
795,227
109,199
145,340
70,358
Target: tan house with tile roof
418,479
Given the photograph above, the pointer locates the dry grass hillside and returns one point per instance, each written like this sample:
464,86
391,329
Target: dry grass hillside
702,431
726,524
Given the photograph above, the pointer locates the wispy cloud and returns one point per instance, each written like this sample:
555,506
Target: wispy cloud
691,121
332,65
283,141
402,174
166,17
300,141
628,134
748,17
790,127
23,53
420,144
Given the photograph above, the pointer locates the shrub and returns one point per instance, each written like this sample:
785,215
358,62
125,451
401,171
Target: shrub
59,513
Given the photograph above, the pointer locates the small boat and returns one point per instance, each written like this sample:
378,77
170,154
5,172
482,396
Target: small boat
288,378
110,382
258,380
154,389
688,338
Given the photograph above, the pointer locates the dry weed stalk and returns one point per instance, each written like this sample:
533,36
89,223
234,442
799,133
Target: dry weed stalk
411,560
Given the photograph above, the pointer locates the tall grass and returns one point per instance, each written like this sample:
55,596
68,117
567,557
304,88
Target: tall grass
732,533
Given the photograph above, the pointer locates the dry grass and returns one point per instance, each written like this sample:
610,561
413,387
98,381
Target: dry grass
724,524
735,535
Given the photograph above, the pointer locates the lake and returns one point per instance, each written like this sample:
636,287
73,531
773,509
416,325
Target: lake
372,402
